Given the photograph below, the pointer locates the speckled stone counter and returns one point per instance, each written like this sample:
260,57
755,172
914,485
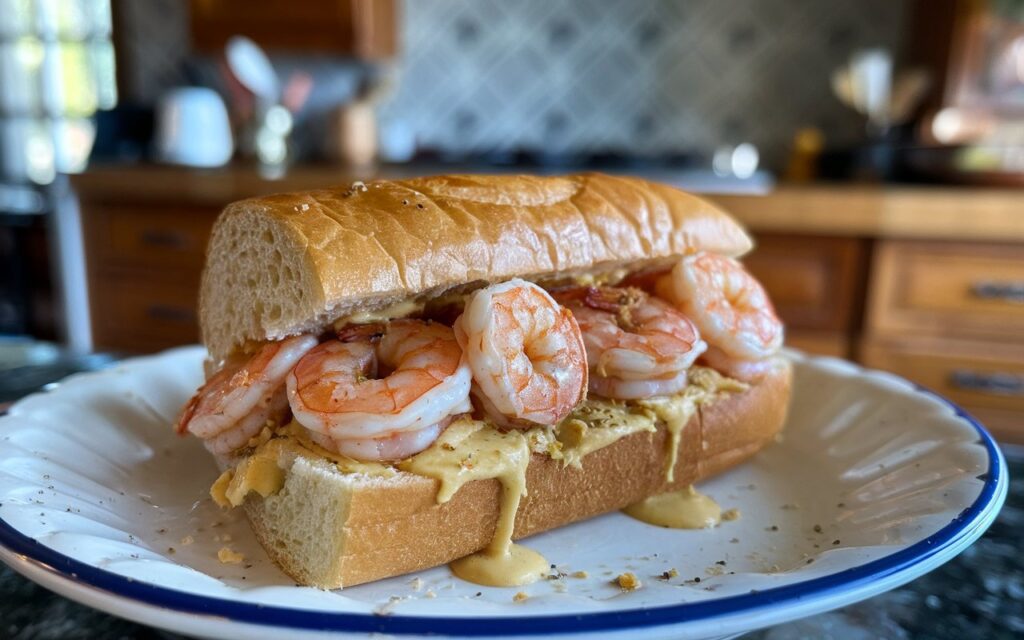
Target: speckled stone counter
980,594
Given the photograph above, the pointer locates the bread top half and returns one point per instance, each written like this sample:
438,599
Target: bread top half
292,263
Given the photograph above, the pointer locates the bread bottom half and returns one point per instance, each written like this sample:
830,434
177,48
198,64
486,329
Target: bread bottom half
331,530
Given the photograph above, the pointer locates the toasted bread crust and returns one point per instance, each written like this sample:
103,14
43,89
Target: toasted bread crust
293,263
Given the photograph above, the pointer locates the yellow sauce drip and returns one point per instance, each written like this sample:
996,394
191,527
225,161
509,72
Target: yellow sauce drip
514,567
677,410
594,425
219,489
683,509
713,382
263,470
256,474
470,450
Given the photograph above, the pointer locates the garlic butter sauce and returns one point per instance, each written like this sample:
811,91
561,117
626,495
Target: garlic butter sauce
682,509
470,450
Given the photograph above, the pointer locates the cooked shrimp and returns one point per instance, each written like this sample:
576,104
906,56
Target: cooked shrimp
396,446
637,345
363,391
730,308
526,352
236,403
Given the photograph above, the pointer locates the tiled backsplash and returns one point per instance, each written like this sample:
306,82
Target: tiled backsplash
641,76
645,76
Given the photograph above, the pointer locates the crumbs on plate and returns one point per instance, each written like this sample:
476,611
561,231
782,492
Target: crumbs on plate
227,556
668,575
628,581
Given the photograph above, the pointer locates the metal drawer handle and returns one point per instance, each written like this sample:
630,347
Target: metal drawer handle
1005,291
166,239
997,384
172,314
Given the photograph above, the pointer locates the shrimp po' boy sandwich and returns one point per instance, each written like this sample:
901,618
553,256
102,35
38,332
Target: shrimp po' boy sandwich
411,373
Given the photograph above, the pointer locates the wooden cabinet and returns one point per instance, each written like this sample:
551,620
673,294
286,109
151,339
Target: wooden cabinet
160,239
816,284
985,378
143,312
144,265
362,28
949,288
950,316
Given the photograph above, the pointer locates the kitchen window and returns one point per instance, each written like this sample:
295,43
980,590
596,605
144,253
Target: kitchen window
56,71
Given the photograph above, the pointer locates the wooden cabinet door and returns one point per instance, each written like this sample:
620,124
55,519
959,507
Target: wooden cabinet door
362,28
157,238
816,285
814,282
144,264
140,312
948,288
987,379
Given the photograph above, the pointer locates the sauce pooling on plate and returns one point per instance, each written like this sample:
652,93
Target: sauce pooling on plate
471,451
683,509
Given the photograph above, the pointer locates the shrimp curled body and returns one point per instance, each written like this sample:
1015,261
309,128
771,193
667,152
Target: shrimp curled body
637,346
526,352
237,402
381,400
731,309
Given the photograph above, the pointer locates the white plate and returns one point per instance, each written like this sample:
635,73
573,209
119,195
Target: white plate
96,491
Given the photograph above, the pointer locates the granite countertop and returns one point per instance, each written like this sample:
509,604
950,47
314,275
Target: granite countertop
980,594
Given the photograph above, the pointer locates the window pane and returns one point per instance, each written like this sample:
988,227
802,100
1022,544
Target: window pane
78,84
19,69
99,18
13,139
15,18
50,80
74,20
104,74
45,18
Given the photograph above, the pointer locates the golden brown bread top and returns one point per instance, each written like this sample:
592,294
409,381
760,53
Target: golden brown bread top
285,264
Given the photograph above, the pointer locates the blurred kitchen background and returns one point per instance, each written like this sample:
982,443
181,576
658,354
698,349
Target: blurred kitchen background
874,148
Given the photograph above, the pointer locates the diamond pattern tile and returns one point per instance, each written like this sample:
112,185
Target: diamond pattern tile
646,76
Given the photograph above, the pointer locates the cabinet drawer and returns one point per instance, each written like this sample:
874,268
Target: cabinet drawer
954,289
815,283
157,239
974,374
132,312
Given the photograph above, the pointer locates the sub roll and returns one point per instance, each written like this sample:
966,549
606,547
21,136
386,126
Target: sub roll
404,374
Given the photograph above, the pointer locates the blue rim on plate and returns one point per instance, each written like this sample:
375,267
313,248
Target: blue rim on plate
77,572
